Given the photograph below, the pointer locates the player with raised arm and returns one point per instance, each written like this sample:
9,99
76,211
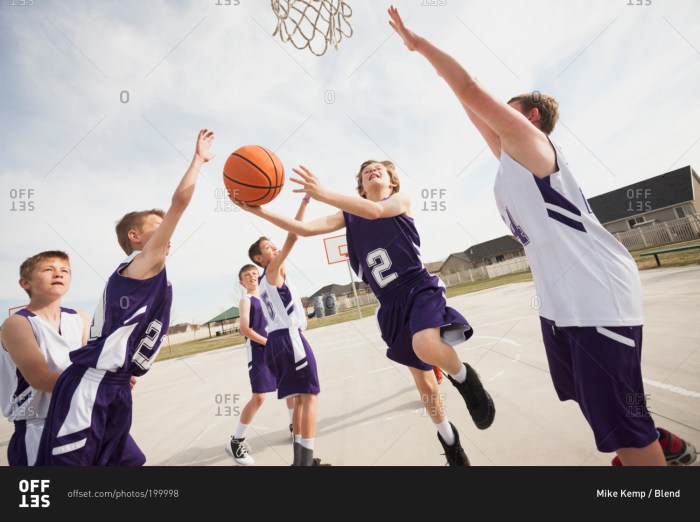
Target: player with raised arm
414,319
90,413
262,380
588,284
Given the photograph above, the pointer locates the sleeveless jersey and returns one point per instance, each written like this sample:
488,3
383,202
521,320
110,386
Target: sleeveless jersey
129,323
583,275
385,252
18,400
256,320
281,307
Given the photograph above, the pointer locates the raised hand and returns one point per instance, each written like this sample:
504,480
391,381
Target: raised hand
243,205
204,140
310,184
409,37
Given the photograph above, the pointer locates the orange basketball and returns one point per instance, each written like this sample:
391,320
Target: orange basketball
254,175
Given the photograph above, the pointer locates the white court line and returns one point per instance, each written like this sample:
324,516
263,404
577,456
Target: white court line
326,383
672,388
495,376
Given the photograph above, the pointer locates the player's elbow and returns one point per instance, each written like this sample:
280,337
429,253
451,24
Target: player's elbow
42,381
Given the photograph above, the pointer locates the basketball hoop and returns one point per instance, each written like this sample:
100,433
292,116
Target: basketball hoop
336,249
312,24
15,309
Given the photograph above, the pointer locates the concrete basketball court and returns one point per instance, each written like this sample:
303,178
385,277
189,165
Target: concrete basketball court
369,411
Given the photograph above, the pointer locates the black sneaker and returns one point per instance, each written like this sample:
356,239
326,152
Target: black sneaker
454,454
317,462
291,432
238,449
479,402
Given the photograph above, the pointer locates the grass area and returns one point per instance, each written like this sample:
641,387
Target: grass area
688,257
198,346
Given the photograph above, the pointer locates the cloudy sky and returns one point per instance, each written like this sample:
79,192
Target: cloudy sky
101,103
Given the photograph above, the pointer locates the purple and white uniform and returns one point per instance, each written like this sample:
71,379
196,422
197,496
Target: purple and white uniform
262,380
590,295
90,414
385,253
287,351
21,403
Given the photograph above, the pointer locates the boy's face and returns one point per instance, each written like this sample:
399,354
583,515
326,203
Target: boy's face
50,277
268,253
249,280
150,224
375,174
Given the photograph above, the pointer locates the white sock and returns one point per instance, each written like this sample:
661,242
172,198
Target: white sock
291,415
240,431
308,443
446,432
461,376
297,439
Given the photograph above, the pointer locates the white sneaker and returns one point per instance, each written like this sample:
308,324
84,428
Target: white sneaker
238,449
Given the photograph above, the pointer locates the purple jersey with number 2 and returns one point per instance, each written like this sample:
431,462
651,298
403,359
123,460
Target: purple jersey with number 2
129,323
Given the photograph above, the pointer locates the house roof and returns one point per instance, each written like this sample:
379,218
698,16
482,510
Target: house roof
434,267
495,247
231,313
671,188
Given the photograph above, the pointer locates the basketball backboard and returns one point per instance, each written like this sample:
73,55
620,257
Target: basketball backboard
336,249
14,310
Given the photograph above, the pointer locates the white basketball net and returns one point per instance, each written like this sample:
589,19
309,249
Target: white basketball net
312,24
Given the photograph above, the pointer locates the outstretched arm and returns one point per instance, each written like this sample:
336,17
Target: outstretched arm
316,227
275,270
518,137
152,259
396,205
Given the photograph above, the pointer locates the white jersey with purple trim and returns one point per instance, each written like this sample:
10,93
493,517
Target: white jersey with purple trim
583,275
282,306
18,400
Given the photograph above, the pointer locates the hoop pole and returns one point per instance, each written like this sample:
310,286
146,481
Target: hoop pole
354,290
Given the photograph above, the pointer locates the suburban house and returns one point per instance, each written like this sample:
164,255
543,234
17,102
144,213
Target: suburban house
483,254
670,196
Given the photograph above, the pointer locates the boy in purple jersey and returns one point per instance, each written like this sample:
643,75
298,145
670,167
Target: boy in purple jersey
588,283
262,379
415,321
35,345
287,352
90,413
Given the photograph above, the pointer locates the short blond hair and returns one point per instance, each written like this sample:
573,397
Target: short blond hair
133,221
390,168
547,106
29,264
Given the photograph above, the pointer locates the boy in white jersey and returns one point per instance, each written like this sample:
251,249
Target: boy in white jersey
588,283
287,352
262,378
36,342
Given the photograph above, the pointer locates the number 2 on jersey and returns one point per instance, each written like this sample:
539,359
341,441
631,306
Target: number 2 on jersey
380,260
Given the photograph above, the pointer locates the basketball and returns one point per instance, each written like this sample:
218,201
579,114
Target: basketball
254,175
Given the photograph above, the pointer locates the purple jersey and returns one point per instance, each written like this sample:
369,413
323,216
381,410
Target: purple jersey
384,252
257,321
129,324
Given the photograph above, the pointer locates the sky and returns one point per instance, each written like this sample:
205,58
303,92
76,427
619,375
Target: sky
100,105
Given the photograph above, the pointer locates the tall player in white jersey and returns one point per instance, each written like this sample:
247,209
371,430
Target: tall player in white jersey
589,286
36,342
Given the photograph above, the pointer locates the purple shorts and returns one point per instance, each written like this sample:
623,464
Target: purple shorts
292,361
89,420
24,444
600,369
262,380
419,304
